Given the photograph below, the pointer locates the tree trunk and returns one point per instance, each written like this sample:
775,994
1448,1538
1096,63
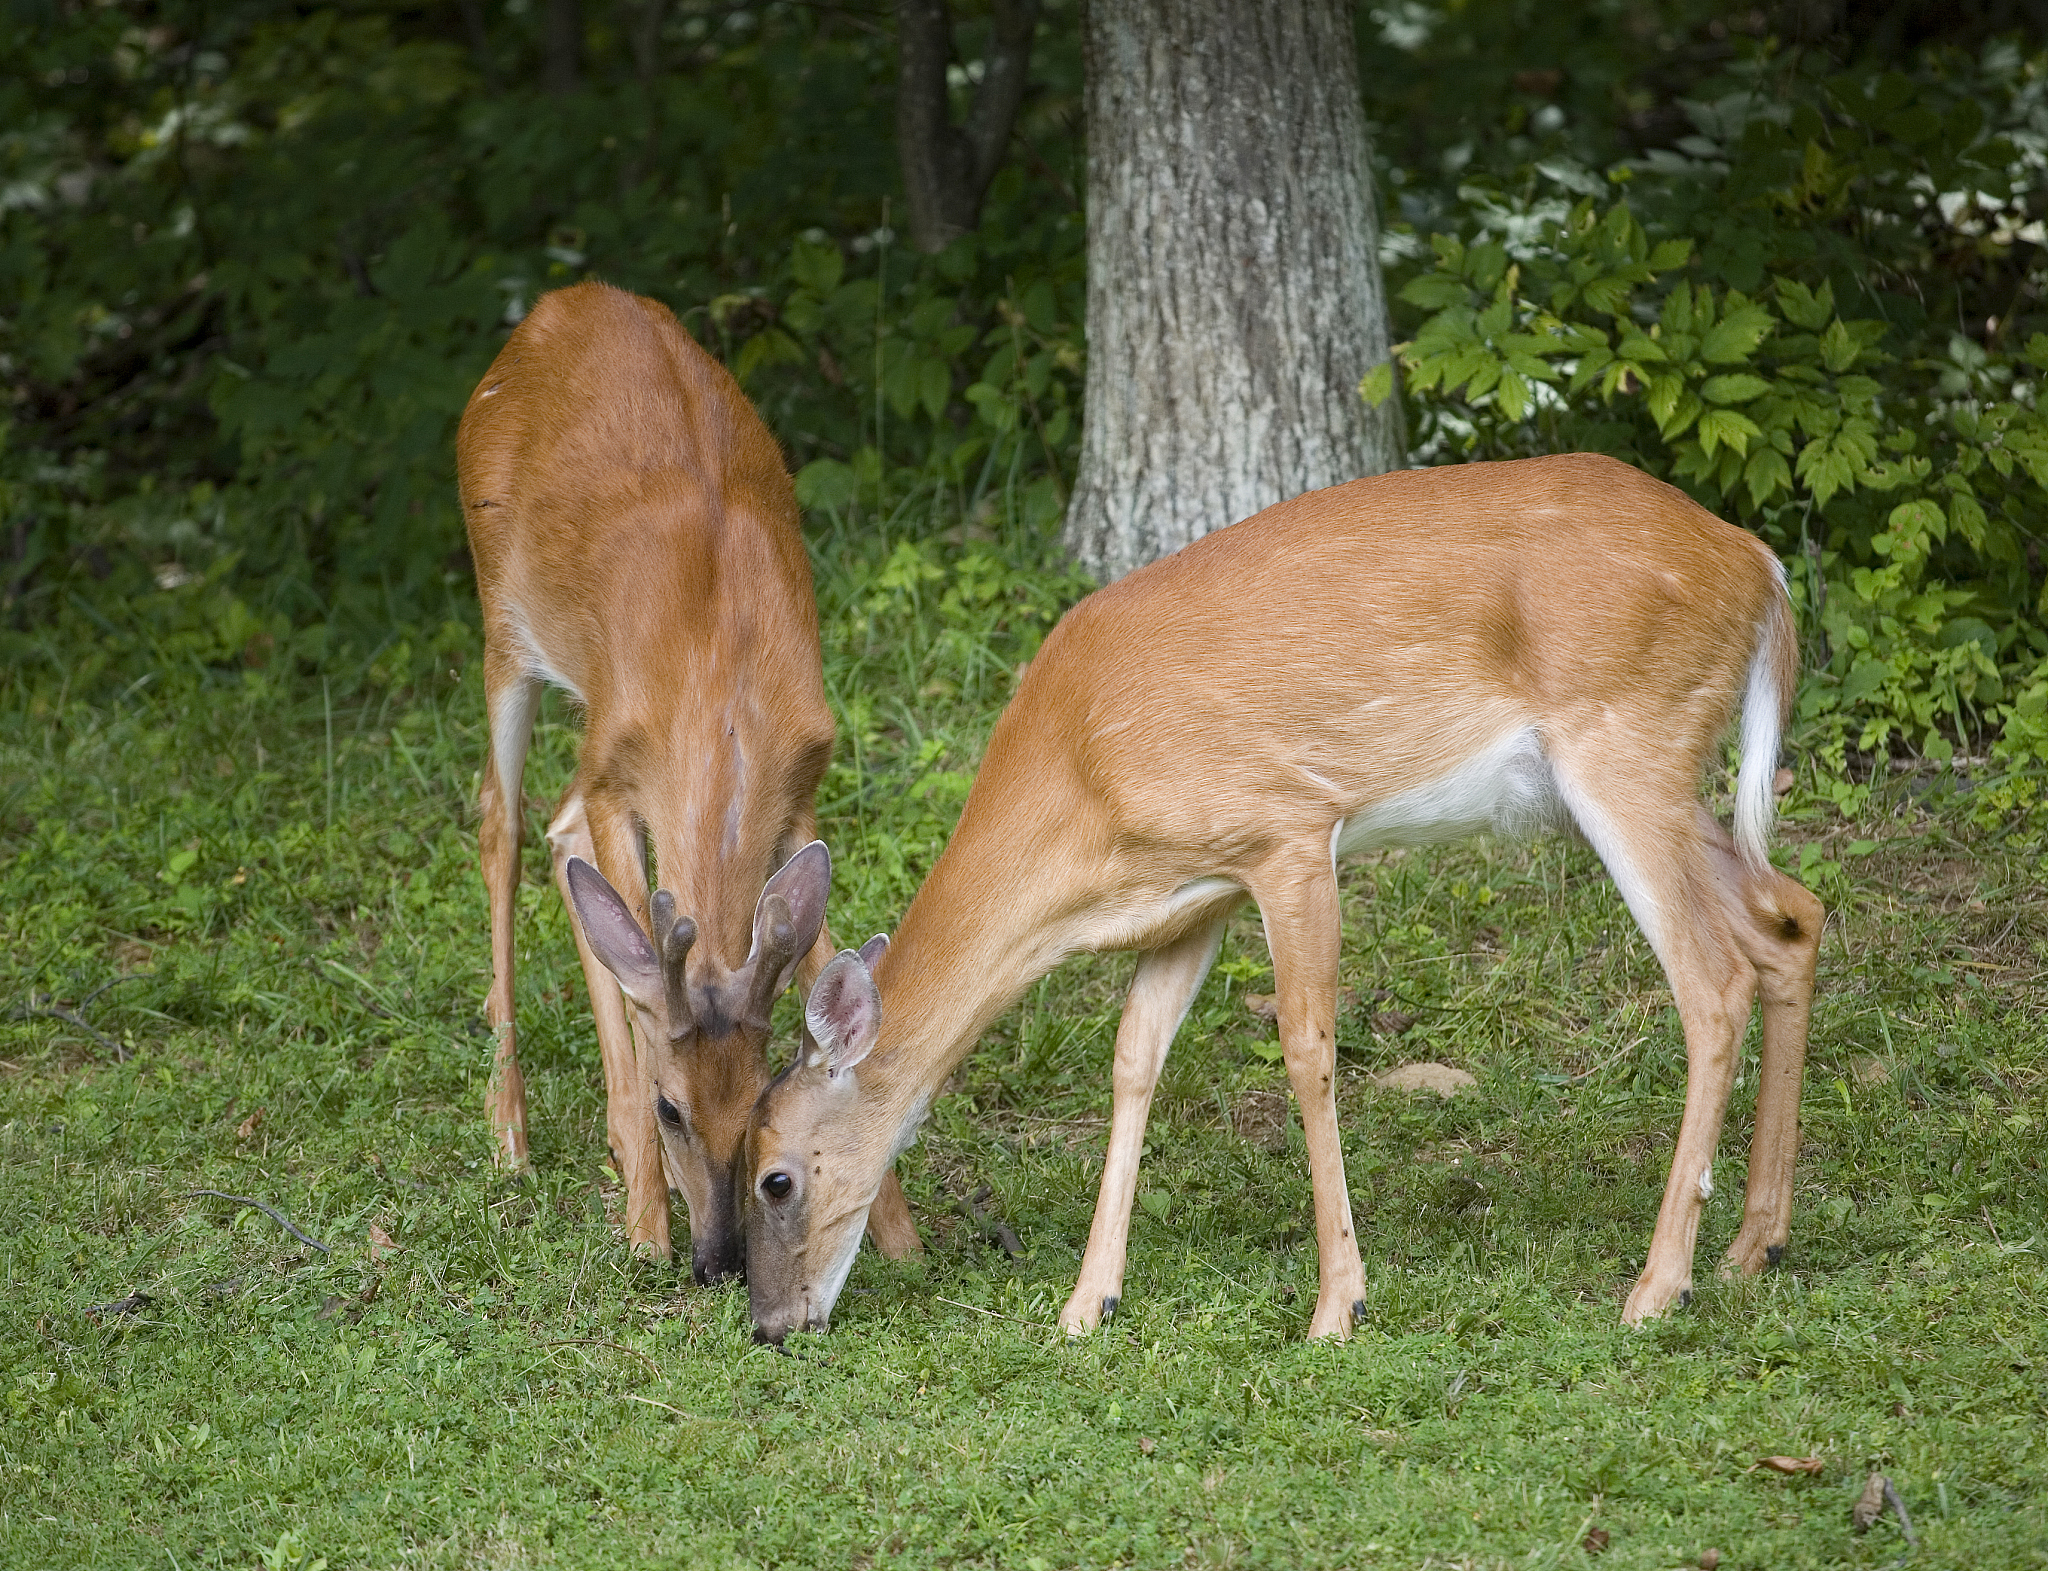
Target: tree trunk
1234,293
947,168
561,43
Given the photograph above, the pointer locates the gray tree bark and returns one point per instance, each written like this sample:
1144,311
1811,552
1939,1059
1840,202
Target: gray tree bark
1234,291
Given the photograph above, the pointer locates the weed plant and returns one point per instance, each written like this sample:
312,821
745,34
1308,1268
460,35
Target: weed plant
244,951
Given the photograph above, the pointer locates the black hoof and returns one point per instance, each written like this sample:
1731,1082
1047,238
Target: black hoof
1358,1311
1685,1299
1774,1254
1109,1306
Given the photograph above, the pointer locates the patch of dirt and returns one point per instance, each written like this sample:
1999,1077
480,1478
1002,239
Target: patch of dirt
1260,1118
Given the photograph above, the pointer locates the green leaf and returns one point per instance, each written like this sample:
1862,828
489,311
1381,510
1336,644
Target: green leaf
1377,385
1838,350
1434,291
1670,254
935,387
1865,678
1513,396
1662,396
1683,413
1806,307
1766,475
817,267
770,346
1735,336
1484,265
1733,388
825,483
1725,427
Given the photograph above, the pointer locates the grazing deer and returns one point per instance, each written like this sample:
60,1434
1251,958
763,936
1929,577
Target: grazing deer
636,544
1402,660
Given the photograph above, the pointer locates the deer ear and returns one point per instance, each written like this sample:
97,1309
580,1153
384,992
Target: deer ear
800,885
613,935
872,951
844,1012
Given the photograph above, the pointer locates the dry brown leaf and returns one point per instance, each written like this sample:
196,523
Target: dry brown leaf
1810,1465
1869,1505
1710,1560
381,1244
249,1125
1440,1078
1393,1022
1870,1071
1267,1005
1595,1541
1147,1444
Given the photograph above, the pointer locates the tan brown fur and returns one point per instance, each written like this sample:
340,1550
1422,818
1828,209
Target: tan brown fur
1215,715
636,540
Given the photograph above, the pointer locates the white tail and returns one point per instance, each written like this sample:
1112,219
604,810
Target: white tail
636,543
1405,659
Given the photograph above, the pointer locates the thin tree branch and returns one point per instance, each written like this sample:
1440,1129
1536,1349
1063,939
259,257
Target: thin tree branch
270,1211
947,168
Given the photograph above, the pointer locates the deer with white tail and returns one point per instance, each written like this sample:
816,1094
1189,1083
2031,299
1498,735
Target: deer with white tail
636,544
1413,658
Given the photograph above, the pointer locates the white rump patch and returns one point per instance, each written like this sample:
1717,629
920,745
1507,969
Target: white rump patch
1506,788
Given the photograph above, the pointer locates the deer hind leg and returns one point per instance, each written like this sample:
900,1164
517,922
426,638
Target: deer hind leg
513,699
1777,924
1653,851
1303,927
1162,992
610,841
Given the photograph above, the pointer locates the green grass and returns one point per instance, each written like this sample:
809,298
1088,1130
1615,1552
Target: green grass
286,870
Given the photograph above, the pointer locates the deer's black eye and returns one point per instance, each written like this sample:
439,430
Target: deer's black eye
667,1112
776,1186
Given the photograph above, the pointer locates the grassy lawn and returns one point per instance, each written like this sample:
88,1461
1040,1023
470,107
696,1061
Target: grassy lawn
254,893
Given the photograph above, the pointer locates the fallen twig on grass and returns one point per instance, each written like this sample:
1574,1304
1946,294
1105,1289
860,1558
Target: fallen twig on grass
270,1211
1898,1506
44,1006
995,1229
993,1314
134,1303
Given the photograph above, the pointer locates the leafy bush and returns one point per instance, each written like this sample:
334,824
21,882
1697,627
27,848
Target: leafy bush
1899,462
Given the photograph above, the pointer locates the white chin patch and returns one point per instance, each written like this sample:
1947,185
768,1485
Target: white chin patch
828,1293
1706,1183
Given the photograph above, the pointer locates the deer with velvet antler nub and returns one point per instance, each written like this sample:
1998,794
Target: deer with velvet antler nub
636,544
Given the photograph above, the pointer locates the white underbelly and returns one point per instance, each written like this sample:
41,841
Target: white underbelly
1506,789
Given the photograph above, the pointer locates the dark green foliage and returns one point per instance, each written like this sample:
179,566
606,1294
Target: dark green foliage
1823,316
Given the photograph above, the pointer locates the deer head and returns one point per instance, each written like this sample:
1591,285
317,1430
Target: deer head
706,1028
816,1154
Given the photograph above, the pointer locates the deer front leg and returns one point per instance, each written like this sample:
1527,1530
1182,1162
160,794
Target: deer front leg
512,702
1303,928
630,1129
1161,993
